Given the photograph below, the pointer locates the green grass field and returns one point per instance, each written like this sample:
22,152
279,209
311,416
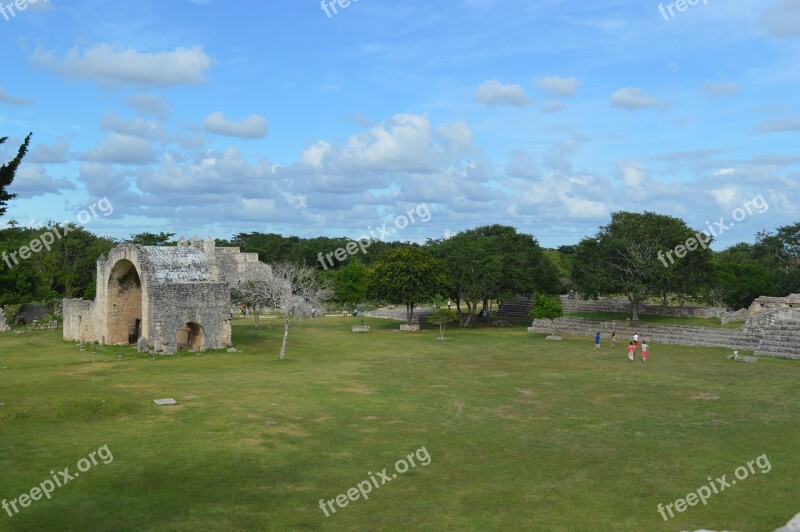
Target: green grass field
522,433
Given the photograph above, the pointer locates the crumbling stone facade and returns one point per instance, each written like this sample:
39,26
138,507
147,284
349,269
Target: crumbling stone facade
170,298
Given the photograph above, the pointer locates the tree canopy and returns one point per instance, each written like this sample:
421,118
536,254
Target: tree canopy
8,171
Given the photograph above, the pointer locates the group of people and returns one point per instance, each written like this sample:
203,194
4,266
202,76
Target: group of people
632,346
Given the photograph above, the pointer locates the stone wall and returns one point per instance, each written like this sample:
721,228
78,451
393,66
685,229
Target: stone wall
79,320
608,304
175,305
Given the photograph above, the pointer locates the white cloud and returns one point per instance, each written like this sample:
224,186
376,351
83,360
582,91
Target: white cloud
780,126
46,154
634,98
458,135
251,127
11,99
32,181
724,171
111,66
724,88
122,149
492,92
724,196
557,86
782,19
149,104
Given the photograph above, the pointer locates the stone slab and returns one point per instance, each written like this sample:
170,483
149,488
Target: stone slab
165,402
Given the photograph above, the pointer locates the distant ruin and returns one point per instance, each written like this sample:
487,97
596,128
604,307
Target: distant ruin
771,325
167,298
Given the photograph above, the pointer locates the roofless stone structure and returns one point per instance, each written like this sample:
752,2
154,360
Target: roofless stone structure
170,297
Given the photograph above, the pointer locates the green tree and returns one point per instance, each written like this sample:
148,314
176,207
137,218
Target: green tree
779,252
8,171
406,276
635,255
152,239
351,282
547,307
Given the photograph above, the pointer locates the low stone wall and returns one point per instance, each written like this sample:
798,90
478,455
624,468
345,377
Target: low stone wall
79,320
663,334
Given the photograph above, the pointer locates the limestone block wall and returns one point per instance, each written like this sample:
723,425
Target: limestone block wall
79,320
175,305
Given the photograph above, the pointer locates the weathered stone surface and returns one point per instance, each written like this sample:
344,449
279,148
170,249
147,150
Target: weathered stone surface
740,358
360,328
173,297
792,526
165,402
141,345
414,327
554,338
3,325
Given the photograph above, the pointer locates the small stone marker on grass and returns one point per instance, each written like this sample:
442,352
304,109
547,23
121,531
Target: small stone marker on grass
165,402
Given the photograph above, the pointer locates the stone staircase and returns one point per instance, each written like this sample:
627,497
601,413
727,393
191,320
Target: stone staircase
653,333
519,308
781,339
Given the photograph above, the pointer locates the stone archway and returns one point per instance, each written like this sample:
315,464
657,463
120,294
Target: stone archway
189,336
124,296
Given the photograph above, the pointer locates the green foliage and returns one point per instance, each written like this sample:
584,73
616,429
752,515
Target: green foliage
351,282
494,263
629,256
546,307
152,239
8,171
407,276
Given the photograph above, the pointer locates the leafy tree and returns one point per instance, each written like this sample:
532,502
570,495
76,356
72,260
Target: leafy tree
8,171
408,275
741,281
635,255
152,239
351,282
779,252
547,307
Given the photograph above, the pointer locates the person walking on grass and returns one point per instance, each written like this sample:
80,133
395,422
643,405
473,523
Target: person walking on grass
613,340
631,349
597,342
635,340
644,351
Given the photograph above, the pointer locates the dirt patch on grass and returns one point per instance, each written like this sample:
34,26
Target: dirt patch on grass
358,390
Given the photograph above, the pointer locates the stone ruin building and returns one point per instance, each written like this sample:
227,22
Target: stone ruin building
165,298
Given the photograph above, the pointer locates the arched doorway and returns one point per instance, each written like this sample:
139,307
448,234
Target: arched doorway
189,336
124,304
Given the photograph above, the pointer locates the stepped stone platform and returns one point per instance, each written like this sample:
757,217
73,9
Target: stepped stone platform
772,328
662,334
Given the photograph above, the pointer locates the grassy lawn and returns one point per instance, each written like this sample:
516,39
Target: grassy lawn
663,320
522,433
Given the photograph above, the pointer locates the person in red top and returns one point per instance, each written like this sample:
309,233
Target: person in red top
631,350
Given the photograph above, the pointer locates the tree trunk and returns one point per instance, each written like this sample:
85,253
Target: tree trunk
285,337
634,310
458,308
469,313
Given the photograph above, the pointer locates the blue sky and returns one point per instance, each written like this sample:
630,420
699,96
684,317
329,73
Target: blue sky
212,118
